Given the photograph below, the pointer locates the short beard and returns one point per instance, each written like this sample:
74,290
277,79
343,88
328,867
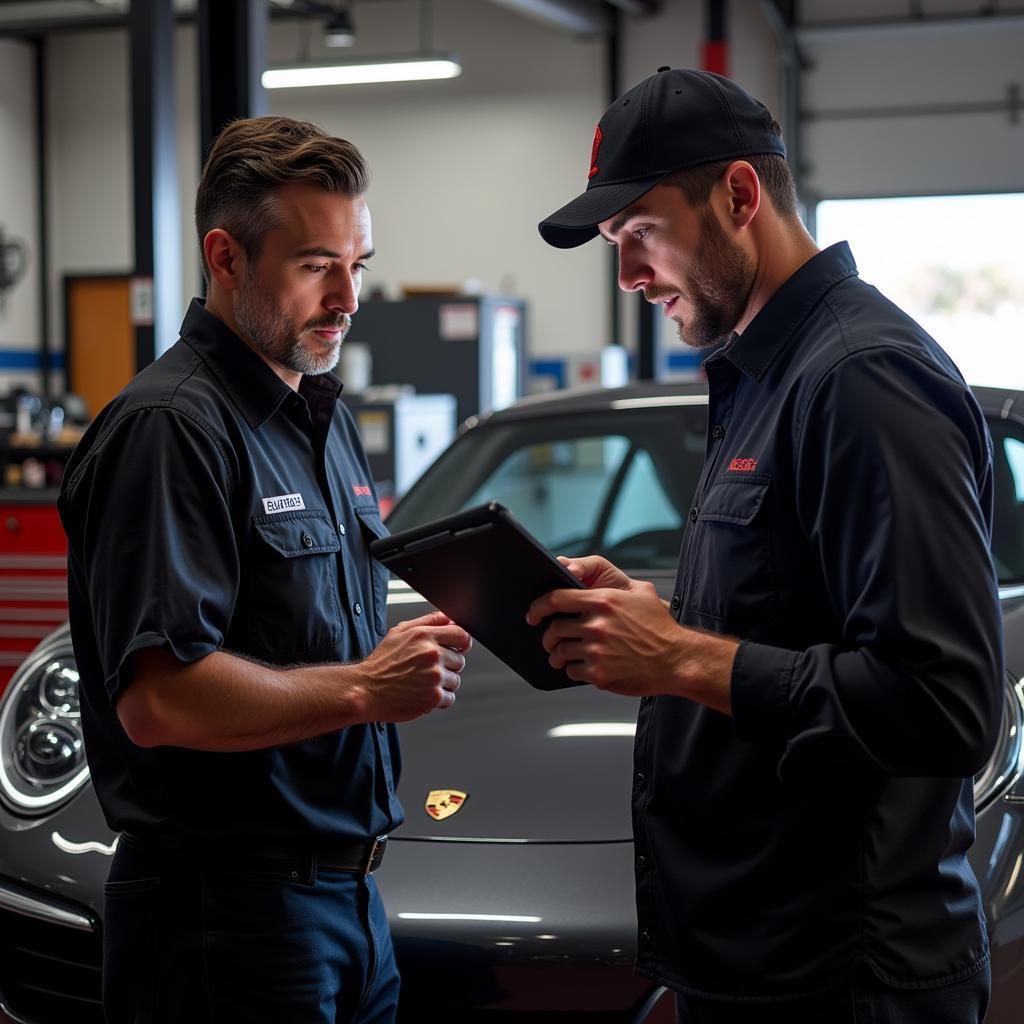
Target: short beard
271,332
718,287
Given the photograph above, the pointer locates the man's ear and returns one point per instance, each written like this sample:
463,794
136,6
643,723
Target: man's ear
744,192
225,259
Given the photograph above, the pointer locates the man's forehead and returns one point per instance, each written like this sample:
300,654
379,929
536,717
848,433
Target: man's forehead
315,219
307,202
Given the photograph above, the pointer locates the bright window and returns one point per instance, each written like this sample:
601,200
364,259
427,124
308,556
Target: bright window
953,263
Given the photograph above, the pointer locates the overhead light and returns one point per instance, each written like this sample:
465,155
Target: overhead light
397,69
504,919
340,30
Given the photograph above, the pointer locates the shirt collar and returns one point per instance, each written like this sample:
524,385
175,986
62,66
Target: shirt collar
248,381
768,334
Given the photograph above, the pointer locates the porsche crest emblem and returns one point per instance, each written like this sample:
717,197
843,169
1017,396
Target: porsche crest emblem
443,803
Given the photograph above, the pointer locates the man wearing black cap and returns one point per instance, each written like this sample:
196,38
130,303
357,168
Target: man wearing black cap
826,678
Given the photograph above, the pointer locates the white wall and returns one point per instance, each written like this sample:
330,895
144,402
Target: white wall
89,158
462,170
19,201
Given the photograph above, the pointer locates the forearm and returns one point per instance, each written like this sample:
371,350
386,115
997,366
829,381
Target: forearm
227,703
625,639
703,670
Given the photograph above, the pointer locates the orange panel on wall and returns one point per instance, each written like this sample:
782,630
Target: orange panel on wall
100,337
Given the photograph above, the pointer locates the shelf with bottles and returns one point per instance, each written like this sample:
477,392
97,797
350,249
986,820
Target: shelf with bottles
37,438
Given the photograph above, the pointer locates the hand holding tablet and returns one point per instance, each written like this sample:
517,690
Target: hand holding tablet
484,570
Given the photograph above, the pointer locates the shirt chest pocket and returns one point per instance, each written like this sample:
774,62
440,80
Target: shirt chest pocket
734,577
293,585
373,528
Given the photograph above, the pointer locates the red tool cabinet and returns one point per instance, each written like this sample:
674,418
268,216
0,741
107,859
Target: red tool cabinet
33,573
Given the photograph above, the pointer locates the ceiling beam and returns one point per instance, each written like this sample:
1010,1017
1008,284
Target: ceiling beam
583,17
637,6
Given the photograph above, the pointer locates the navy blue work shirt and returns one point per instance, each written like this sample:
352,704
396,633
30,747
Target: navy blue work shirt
209,507
841,530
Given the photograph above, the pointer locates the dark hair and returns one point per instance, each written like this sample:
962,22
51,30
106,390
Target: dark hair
251,158
772,171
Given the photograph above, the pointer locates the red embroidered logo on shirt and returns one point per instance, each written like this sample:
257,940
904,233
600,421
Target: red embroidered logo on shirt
361,491
743,465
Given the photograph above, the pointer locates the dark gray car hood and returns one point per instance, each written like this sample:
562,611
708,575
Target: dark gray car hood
504,745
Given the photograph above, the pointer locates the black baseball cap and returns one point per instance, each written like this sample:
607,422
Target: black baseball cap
676,118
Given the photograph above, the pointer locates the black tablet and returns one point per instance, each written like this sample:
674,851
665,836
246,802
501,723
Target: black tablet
484,570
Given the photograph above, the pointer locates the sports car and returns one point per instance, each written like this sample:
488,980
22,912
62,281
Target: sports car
510,885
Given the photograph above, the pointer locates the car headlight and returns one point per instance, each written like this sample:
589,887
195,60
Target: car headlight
1007,761
42,757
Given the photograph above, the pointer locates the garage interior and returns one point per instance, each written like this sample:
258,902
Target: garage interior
106,109
105,113
903,120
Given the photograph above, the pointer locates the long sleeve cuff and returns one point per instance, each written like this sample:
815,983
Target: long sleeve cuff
761,678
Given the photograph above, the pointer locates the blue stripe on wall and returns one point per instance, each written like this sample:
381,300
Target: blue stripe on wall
684,360
549,368
24,359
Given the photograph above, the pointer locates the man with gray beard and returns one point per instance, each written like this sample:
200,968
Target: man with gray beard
239,682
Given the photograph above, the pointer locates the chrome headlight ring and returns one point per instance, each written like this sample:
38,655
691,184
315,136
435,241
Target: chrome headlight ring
42,756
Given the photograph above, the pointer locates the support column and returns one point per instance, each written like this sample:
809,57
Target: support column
156,282
715,53
232,58
43,221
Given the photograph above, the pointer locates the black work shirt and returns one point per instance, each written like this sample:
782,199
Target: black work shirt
210,507
841,530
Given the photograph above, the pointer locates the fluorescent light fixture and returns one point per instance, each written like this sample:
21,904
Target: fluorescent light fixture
516,919
593,729
402,69
340,30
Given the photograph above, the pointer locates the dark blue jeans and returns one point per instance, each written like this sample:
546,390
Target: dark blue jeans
863,999
252,942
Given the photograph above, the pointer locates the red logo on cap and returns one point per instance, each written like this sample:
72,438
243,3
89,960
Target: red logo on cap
593,153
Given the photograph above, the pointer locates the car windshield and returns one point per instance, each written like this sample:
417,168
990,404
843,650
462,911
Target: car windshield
619,482
1008,505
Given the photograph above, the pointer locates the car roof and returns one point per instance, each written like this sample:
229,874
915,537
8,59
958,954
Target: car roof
599,399
1000,402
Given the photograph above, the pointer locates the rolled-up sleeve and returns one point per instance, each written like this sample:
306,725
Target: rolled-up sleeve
154,550
894,492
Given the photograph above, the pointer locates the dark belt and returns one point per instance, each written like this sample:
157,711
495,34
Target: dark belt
360,856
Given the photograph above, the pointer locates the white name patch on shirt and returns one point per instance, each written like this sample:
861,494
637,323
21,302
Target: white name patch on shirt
283,503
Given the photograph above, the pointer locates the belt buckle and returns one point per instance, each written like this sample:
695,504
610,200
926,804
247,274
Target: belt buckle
376,855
